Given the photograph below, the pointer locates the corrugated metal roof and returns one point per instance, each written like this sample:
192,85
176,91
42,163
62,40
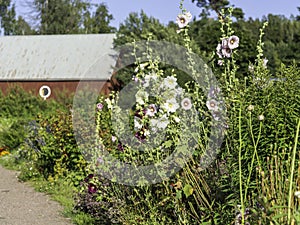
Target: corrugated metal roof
57,57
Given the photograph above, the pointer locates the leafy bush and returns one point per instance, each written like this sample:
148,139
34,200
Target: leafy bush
52,146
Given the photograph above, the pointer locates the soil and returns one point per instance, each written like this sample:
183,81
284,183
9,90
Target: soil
20,204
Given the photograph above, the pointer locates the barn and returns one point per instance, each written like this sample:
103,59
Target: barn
50,64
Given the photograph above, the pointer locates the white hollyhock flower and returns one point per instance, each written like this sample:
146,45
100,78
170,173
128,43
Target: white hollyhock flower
170,105
151,110
233,42
137,123
186,104
227,52
212,105
219,50
170,82
141,96
160,123
183,20
148,78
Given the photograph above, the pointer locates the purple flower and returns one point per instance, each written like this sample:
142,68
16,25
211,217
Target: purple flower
120,147
99,106
90,176
100,160
140,136
92,188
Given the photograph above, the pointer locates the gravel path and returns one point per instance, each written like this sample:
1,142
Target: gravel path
20,204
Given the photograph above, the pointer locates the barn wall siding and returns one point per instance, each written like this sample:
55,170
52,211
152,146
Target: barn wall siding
57,87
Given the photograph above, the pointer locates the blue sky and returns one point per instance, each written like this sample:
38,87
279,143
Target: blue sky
167,10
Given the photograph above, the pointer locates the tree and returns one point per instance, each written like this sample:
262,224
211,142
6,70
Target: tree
9,23
60,16
7,14
99,21
216,6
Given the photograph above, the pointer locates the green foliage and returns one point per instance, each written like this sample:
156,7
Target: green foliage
72,17
18,108
99,22
53,146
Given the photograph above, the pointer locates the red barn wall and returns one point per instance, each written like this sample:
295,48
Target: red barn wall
57,87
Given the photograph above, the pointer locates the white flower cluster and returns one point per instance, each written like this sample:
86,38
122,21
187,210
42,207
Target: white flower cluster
167,101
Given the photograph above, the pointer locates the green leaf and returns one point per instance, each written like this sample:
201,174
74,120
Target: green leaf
179,194
188,190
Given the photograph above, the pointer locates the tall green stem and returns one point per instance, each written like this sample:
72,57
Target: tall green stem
240,166
292,173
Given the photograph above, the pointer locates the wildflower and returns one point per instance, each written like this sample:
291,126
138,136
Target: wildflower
251,68
219,50
265,61
169,94
135,79
182,20
113,138
186,104
250,107
297,194
216,115
212,105
137,124
163,122
109,103
224,43
160,123
261,117
120,147
92,188
227,52
170,82
100,160
220,62
233,42
171,105
213,92
176,119
99,106
140,136
151,110
148,78
141,96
